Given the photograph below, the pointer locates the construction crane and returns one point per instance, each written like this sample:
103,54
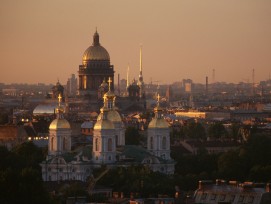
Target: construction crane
92,181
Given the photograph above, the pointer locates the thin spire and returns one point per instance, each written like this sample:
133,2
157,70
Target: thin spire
127,82
140,60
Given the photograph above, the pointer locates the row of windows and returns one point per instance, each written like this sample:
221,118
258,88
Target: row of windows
164,143
64,144
109,144
231,198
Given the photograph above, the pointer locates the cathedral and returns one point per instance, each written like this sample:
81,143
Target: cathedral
108,144
94,69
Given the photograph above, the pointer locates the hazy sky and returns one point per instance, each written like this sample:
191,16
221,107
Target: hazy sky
44,40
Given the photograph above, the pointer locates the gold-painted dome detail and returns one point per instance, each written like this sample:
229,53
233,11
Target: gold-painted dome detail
112,115
95,53
103,125
59,123
158,123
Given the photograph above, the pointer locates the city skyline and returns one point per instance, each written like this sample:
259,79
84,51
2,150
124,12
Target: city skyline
44,41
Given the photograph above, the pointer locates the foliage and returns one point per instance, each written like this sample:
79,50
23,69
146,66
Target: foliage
195,130
217,130
139,180
20,175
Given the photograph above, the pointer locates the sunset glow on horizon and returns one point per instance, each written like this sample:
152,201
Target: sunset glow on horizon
43,41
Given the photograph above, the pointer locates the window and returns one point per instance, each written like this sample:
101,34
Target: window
109,148
250,199
64,144
52,144
164,143
151,143
213,197
222,197
203,196
232,198
96,145
241,199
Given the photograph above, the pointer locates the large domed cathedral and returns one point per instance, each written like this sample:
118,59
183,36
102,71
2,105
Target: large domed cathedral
94,69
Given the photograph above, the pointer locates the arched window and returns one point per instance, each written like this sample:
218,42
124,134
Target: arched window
96,145
164,143
109,148
117,139
64,144
52,144
151,143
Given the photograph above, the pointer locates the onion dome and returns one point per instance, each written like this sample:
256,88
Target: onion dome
102,121
158,121
95,51
113,116
59,122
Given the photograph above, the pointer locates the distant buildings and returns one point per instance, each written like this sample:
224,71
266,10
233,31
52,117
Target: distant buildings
232,192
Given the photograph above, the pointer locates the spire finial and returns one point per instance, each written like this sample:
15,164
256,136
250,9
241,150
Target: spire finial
109,83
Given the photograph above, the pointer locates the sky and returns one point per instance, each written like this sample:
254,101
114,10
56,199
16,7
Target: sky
42,41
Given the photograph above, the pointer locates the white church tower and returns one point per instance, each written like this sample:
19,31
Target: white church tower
104,135
59,133
159,134
114,116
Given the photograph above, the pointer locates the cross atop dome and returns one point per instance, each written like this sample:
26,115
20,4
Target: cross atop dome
109,83
59,99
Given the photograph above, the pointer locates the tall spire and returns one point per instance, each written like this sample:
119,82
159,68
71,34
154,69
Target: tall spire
127,80
140,73
140,78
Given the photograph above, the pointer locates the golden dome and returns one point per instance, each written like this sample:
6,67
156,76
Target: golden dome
158,123
103,125
59,123
109,94
97,52
112,115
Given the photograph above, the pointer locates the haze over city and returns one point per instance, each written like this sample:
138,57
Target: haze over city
42,41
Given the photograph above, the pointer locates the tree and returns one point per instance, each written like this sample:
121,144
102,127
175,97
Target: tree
217,130
20,175
195,130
